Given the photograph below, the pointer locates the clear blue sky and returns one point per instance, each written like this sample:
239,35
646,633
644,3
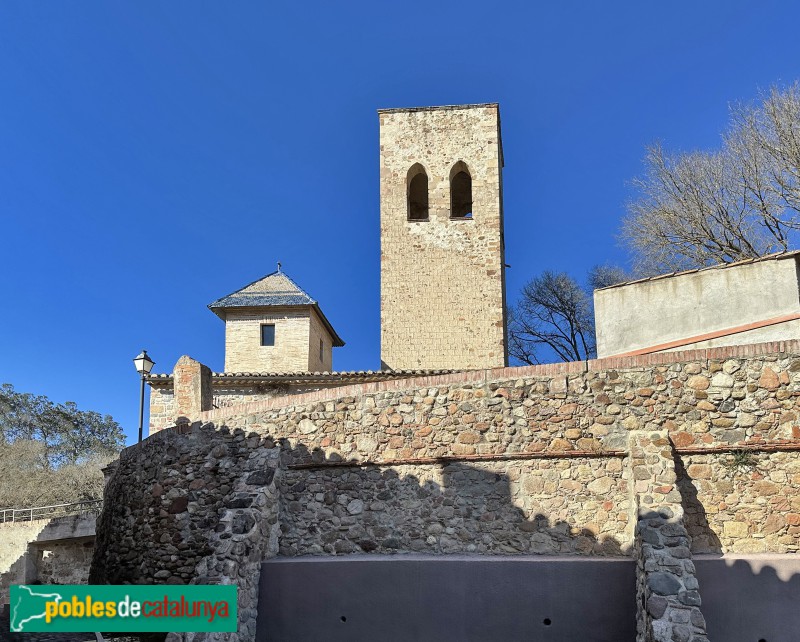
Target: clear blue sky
157,155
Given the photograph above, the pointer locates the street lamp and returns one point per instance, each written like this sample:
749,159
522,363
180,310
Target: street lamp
144,365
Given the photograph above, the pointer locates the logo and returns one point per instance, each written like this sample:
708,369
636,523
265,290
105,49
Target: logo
123,609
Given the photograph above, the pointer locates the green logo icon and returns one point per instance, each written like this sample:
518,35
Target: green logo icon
123,608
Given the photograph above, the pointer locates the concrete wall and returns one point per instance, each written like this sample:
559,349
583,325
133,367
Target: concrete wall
750,598
745,598
442,283
650,313
456,598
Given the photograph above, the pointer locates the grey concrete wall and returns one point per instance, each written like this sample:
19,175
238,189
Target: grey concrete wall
647,313
69,527
454,598
751,598
745,598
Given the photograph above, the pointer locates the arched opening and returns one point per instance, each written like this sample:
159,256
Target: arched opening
417,193
460,191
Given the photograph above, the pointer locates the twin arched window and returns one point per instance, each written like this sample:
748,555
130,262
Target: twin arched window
460,192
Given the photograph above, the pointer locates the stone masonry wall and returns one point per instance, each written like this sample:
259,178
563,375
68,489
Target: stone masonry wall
191,506
14,540
442,283
162,408
66,563
702,402
561,507
666,585
514,460
243,349
746,502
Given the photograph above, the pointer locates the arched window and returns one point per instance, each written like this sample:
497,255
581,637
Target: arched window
460,191
417,193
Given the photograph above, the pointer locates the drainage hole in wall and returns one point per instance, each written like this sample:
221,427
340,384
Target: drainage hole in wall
547,622
762,640
344,619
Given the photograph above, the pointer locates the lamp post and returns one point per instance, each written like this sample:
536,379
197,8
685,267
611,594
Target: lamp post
144,365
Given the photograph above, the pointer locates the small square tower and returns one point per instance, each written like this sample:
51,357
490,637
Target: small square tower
272,325
442,255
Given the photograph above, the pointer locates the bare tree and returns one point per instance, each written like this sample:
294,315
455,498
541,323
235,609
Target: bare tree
603,276
743,201
554,312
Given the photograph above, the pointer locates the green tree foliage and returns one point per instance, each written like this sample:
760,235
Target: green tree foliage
51,453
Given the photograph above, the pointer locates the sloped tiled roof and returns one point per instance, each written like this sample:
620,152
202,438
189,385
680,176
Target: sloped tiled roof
341,377
275,289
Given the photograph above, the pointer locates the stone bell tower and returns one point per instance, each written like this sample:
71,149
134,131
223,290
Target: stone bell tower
442,256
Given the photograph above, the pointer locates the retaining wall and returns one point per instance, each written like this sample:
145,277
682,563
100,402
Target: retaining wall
511,461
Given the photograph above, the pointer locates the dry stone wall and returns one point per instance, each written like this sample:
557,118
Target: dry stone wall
191,506
665,574
540,459
562,507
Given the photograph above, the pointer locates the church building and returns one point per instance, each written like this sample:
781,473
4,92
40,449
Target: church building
442,274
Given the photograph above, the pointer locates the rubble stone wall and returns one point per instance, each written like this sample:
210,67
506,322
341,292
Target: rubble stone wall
558,507
666,584
65,562
538,459
742,502
191,506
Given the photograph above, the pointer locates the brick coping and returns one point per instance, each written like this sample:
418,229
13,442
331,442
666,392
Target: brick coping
483,377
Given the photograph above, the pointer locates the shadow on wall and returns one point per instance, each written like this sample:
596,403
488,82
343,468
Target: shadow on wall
30,554
704,539
502,507
753,600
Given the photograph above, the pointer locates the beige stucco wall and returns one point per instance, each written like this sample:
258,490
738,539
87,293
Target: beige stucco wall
293,331
649,313
442,282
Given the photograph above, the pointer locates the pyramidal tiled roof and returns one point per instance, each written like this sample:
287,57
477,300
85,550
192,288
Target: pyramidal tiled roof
273,289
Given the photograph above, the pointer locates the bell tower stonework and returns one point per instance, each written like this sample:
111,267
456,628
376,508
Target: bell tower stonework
442,256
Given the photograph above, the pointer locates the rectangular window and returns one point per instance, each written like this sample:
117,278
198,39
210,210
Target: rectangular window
321,351
268,334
